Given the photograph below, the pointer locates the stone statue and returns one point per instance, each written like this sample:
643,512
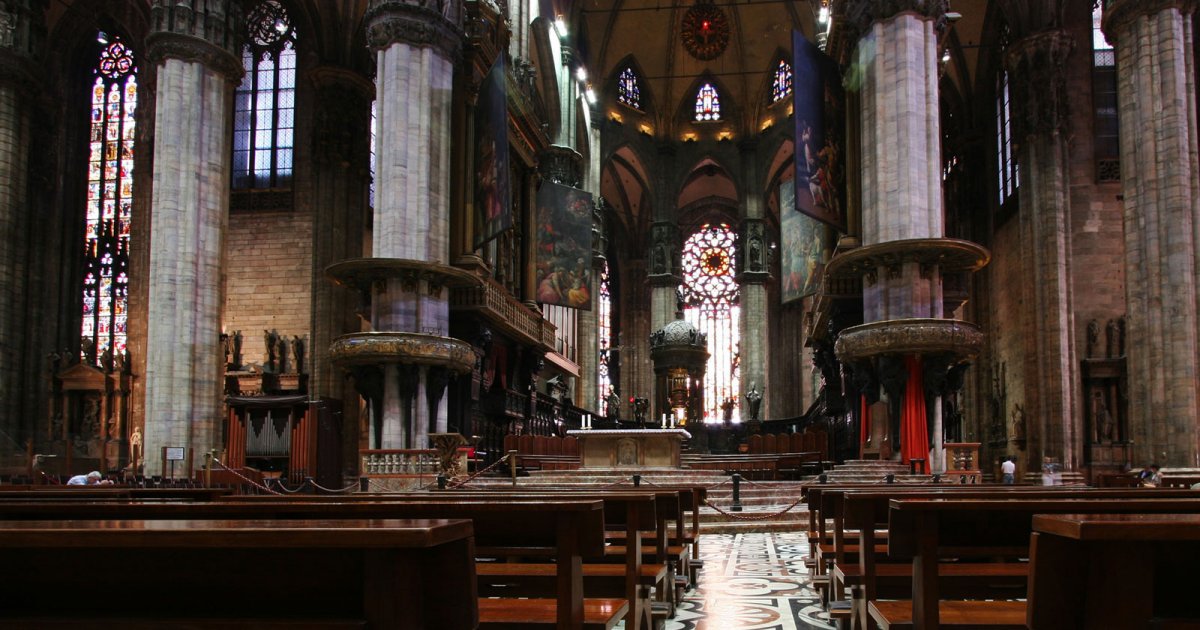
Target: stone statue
1105,426
88,348
298,351
727,409
614,405
1093,337
237,349
270,339
284,356
660,258
1113,338
641,405
1018,422
753,402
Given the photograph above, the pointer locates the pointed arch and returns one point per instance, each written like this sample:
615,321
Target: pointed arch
781,80
616,84
687,112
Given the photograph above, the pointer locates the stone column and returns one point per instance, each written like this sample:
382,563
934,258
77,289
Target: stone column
415,47
20,29
587,394
1037,68
754,272
196,48
341,176
1157,104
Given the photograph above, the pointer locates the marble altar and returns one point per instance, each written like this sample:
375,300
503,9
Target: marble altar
629,448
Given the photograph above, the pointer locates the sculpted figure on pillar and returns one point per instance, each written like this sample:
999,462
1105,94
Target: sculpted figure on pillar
664,243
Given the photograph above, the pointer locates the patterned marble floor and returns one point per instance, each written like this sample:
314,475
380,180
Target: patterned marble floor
752,581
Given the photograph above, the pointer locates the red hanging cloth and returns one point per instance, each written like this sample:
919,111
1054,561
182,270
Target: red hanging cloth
914,433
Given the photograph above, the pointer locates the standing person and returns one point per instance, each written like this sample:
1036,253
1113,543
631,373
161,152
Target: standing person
1008,470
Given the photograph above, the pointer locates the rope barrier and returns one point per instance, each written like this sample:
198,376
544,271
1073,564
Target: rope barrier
244,478
464,482
757,517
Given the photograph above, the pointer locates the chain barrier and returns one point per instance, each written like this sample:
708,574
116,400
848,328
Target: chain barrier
459,484
799,488
756,517
350,489
279,482
244,478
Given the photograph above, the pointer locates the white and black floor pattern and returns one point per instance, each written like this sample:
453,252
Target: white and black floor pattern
753,581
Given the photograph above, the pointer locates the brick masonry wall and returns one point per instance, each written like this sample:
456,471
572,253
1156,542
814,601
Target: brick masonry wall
268,278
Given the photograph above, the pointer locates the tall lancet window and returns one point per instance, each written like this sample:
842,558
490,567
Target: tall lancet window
265,102
708,103
109,200
710,294
782,86
1008,178
628,92
1105,126
604,321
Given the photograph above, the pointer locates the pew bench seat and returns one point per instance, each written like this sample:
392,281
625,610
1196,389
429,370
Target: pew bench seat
518,614
126,623
954,614
651,574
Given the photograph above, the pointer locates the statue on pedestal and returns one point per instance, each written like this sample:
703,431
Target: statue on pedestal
753,402
641,405
614,405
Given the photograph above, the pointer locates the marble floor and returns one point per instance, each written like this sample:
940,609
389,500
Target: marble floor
752,581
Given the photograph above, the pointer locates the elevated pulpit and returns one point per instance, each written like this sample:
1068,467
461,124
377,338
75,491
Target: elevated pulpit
630,448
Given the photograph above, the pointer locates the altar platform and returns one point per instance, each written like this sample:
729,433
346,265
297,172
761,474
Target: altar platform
630,449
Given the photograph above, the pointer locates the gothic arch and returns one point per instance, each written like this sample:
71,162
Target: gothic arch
646,92
685,114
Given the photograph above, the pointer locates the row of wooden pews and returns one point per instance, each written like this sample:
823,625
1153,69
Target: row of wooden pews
925,556
499,559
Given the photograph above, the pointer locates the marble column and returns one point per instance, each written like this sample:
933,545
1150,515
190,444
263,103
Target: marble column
1037,68
341,176
20,30
1156,94
196,48
753,274
414,47
587,394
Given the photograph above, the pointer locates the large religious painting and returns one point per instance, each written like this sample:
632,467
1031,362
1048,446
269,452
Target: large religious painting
564,246
807,245
492,188
818,106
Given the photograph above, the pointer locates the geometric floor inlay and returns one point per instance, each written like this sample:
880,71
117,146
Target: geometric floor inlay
752,581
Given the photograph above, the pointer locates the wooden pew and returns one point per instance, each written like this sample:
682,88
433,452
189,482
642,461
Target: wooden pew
352,573
1113,571
563,529
928,530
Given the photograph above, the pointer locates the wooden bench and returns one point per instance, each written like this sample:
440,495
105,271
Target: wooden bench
562,529
352,573
1114,571
930,530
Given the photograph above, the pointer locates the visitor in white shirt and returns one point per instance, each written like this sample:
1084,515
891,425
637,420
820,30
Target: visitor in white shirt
1009,470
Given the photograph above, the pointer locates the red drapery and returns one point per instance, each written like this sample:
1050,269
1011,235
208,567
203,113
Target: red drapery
914,435
865,424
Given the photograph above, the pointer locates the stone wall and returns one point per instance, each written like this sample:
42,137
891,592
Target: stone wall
267,282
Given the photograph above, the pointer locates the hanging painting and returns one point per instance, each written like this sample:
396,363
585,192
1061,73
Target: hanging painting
818,108
493,198
564,246
807,245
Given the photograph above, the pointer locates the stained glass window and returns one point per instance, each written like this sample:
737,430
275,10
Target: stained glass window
109,202
708,104
374,159
710,294
628,92
1008,177
604,319
265,102
1106,127
782,86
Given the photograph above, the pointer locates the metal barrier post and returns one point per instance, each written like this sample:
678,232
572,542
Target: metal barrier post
890,478
512,466
637,481
737,493
441,480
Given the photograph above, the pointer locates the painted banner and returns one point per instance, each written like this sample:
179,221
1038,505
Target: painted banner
493,197
807,246
819,114
564,246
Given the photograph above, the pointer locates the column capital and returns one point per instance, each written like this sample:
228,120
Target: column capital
209,32
22,30
1037,67
433,24
561,165
858,15
1118,13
